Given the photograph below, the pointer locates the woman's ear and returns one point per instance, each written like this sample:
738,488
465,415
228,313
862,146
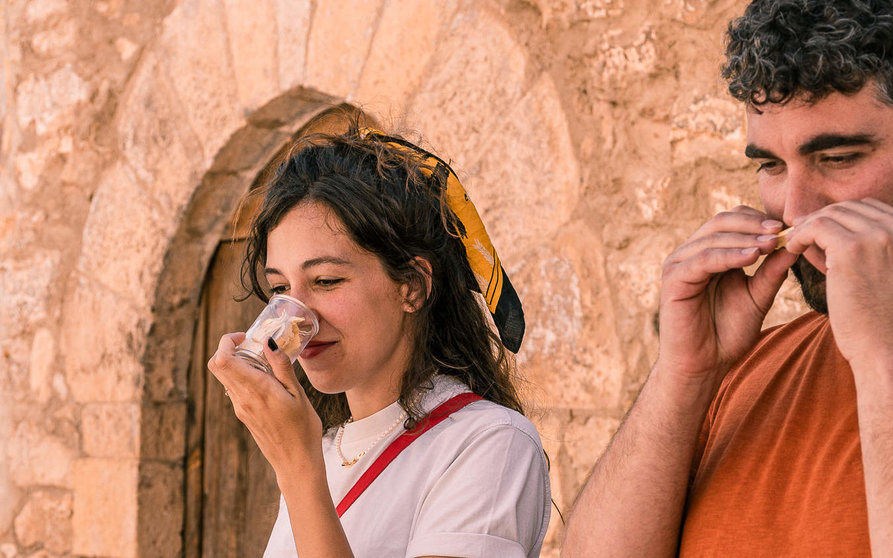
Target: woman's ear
416,291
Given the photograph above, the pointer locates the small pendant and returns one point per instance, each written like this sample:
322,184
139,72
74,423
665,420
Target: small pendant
351,462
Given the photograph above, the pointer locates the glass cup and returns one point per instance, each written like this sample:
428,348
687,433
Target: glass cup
288,321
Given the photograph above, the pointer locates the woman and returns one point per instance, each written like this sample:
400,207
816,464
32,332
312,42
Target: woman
406,378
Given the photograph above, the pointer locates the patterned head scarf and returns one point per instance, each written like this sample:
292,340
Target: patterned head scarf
493,282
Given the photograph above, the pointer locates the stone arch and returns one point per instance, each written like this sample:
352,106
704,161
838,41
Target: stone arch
196,123
233,172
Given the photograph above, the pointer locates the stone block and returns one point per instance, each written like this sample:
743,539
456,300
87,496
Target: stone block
531,174
28,167
636,270
195,50
211,207
38,458
709,128
406,37
103,338
49,101
292,30
550,425
620,60
571,350
253,44
57,41
291,110
125,237
247,148
457,119
339,43
169,353
10,495
38,10
573,441
24,284
45,519
105,507
155,137
43,361
161,509
585,438
164,431
111,430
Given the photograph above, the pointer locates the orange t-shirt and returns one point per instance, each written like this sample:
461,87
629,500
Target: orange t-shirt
778,469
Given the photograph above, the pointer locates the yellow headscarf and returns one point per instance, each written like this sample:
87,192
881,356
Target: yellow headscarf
493,283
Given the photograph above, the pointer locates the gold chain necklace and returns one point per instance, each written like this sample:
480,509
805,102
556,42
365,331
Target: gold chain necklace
344,460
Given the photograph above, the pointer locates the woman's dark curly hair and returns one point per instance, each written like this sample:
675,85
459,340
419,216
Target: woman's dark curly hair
780,49
393,210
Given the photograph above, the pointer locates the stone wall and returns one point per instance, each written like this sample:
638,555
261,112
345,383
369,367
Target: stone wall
594,135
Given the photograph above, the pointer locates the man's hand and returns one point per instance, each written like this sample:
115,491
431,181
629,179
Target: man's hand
851,242
710,315
711,311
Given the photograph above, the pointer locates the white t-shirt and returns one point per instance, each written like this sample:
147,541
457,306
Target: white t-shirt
475,485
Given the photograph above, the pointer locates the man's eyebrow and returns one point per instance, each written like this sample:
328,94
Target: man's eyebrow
830,141
754,152
310,263
818,143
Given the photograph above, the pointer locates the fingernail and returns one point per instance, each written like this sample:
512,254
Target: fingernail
272,344
750,251
765,237
798,220
771,224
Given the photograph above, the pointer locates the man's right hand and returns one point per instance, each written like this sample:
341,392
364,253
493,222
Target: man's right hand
711,312
710,316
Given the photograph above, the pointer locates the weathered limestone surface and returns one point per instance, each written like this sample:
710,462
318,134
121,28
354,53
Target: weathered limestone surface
405,39
594,136
105,507
338,44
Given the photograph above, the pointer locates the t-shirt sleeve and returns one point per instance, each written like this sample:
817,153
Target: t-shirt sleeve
492,500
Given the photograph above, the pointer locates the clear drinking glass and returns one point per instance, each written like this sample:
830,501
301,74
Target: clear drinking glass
288,321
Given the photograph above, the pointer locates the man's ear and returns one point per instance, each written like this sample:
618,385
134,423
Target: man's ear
417,291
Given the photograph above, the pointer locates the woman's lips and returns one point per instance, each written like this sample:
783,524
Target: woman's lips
315,347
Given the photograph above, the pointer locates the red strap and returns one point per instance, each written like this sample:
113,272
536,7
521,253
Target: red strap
428,422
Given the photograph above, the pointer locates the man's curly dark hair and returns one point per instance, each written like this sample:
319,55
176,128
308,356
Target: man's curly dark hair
781,49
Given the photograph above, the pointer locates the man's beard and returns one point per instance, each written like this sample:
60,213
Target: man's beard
812,284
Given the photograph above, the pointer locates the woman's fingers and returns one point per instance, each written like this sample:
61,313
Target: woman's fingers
233,372
283,369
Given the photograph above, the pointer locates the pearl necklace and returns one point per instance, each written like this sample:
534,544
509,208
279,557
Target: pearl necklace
344,460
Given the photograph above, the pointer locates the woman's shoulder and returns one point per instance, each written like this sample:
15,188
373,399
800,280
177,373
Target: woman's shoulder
479,417
491,414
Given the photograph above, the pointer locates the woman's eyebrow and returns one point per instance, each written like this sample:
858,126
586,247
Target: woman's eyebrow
332,260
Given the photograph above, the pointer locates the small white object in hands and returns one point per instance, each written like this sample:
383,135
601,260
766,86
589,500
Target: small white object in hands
782,238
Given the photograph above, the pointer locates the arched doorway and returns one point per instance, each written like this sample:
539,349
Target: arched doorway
231,497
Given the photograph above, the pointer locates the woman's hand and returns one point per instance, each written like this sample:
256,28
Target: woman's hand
275,409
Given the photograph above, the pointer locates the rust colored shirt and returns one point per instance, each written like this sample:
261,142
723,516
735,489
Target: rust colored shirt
778,469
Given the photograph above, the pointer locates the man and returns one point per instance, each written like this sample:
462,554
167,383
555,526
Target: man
778,443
